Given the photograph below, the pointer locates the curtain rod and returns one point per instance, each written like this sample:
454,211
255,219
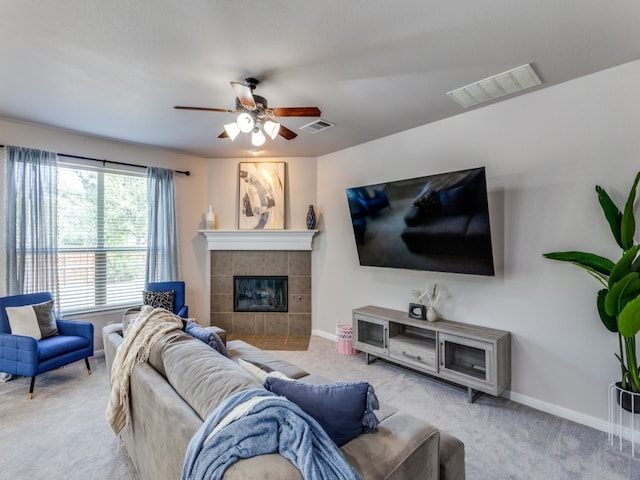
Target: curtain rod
184,172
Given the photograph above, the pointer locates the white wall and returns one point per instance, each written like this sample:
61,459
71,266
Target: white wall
191,199
300,190
544,152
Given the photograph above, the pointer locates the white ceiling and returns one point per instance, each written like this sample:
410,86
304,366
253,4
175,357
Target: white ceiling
116,68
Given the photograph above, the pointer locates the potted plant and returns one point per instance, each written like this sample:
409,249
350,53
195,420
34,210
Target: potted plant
618,302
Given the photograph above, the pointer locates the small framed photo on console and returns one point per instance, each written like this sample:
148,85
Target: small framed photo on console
417,311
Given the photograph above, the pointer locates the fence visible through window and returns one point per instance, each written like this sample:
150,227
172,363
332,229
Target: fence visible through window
97,278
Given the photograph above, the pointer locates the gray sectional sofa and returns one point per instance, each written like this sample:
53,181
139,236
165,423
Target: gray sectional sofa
184,380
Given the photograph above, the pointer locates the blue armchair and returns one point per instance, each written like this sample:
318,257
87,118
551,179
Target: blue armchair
26,356
179,308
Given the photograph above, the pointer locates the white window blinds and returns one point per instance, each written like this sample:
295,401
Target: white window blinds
102,237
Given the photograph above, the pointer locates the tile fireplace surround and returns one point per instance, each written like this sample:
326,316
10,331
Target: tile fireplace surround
249,254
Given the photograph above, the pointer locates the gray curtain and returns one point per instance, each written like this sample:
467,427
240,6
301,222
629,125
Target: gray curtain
162,240
31,245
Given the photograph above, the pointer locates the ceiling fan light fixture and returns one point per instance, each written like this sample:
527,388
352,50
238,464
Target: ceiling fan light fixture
258,138
271,128
245,122
232,130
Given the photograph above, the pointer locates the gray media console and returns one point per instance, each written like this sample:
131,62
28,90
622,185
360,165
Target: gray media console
475,357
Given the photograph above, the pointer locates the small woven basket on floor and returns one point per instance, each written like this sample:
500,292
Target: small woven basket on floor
345,339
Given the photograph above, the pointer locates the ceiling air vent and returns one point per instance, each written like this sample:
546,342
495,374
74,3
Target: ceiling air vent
316,126
505,83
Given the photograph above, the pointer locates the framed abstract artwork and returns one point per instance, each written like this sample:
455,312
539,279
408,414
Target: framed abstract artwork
261,195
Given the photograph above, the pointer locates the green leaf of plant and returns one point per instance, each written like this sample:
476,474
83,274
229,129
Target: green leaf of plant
588,261
623,267
629,319
609,322
613,301
628,226
631,293
612,213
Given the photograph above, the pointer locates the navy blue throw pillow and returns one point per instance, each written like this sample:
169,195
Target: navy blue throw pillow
207,336
343,409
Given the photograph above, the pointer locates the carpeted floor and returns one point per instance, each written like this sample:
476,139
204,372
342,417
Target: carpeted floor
62,432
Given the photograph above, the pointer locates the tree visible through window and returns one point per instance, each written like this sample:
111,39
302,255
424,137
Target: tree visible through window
102,238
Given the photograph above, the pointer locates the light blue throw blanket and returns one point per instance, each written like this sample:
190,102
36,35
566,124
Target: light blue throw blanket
274,425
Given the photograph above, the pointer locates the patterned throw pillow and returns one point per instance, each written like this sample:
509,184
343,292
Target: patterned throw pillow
159,299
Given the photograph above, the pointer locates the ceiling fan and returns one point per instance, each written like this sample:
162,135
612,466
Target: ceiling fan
255,116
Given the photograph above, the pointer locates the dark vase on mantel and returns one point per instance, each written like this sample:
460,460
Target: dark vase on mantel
311,218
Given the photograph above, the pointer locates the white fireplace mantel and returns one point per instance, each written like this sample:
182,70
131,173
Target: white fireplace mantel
259,239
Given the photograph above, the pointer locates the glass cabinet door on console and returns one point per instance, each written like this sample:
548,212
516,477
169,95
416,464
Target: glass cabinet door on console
370,334
464,358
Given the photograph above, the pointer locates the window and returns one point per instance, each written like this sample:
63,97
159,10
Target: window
102,237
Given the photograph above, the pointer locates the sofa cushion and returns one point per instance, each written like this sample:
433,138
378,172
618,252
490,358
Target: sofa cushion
59,344
155,354
238,349
202,377
343,409
129,316
259,371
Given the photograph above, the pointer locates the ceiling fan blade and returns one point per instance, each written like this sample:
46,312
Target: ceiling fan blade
204,109
286,133
223,134
297,112
244,94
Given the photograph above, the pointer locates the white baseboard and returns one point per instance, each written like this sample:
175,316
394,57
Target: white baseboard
569,414
326,335
572,415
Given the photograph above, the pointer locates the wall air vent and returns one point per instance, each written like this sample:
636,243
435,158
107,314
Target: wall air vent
316,126
500,85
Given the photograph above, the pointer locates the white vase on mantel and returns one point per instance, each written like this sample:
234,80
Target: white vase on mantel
210,219
432,314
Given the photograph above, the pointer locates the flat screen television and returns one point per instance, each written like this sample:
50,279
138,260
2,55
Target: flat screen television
436,223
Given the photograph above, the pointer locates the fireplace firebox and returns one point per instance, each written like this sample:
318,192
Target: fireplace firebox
260,293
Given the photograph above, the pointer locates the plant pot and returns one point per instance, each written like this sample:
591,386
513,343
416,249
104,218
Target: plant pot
629,401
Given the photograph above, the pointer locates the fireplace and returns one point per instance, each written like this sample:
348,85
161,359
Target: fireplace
259,293
229,265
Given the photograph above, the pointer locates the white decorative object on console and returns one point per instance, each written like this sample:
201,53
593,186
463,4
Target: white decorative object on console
430,298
